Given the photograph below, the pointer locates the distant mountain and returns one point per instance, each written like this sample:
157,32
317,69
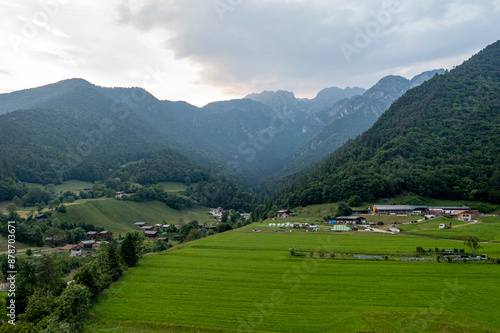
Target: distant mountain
440,139
81,134
255,136
349,118
29,98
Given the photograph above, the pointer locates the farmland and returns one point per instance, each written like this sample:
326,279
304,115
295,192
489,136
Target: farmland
119,216
488,230
246,281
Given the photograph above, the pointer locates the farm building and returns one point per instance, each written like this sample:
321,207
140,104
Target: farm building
400,209
445,210
105,234
151,234
284,213
86,243
147,227
462,215
140,224
92,234
74,250
350,220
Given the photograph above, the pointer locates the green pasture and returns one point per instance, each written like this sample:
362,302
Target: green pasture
173,187
68,185
119,216
245,281
487,230
432,224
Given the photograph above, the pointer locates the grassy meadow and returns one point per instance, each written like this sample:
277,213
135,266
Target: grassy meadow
69,185
119,216
173,187
488,230
245,281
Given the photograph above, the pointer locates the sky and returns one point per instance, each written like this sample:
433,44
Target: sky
201,51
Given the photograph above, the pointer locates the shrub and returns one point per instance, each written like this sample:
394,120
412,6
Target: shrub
380,223
420,250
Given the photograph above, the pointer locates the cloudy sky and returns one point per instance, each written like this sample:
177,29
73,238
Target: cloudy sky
206,50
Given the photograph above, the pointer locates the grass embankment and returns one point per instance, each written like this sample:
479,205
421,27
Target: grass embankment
246,280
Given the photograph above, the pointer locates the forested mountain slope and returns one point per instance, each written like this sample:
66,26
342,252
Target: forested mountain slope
441,139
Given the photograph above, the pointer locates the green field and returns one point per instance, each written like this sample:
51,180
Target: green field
245,281
432,224
488,230
68,185
173,187
119,216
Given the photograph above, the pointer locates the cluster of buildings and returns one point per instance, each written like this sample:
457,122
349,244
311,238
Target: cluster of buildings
217,213
459,213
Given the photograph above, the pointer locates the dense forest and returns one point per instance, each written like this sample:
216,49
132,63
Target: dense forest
441,139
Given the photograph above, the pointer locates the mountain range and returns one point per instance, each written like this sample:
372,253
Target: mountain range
74,129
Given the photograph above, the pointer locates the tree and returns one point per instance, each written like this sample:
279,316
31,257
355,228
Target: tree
224,227
49,276
29,252
87,276
185,232
112,263
473,243
61,208
128,250
194,223
72,308
355,201
40,305
11,208
187,181
194,234
343,209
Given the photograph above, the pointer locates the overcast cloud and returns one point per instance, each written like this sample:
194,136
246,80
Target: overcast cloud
206,50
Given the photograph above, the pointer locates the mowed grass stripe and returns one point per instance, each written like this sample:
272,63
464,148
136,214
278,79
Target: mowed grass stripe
213,282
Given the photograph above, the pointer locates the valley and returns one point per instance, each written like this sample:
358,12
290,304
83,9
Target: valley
358,210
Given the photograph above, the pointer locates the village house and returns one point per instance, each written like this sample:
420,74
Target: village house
284,213
119,194
147,227
74,250
105,234
86,243
140,224
92,234
151,234
87,189
462,215
55,240
350,220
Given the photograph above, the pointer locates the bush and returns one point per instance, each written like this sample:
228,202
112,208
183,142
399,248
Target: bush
420,250
380,223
